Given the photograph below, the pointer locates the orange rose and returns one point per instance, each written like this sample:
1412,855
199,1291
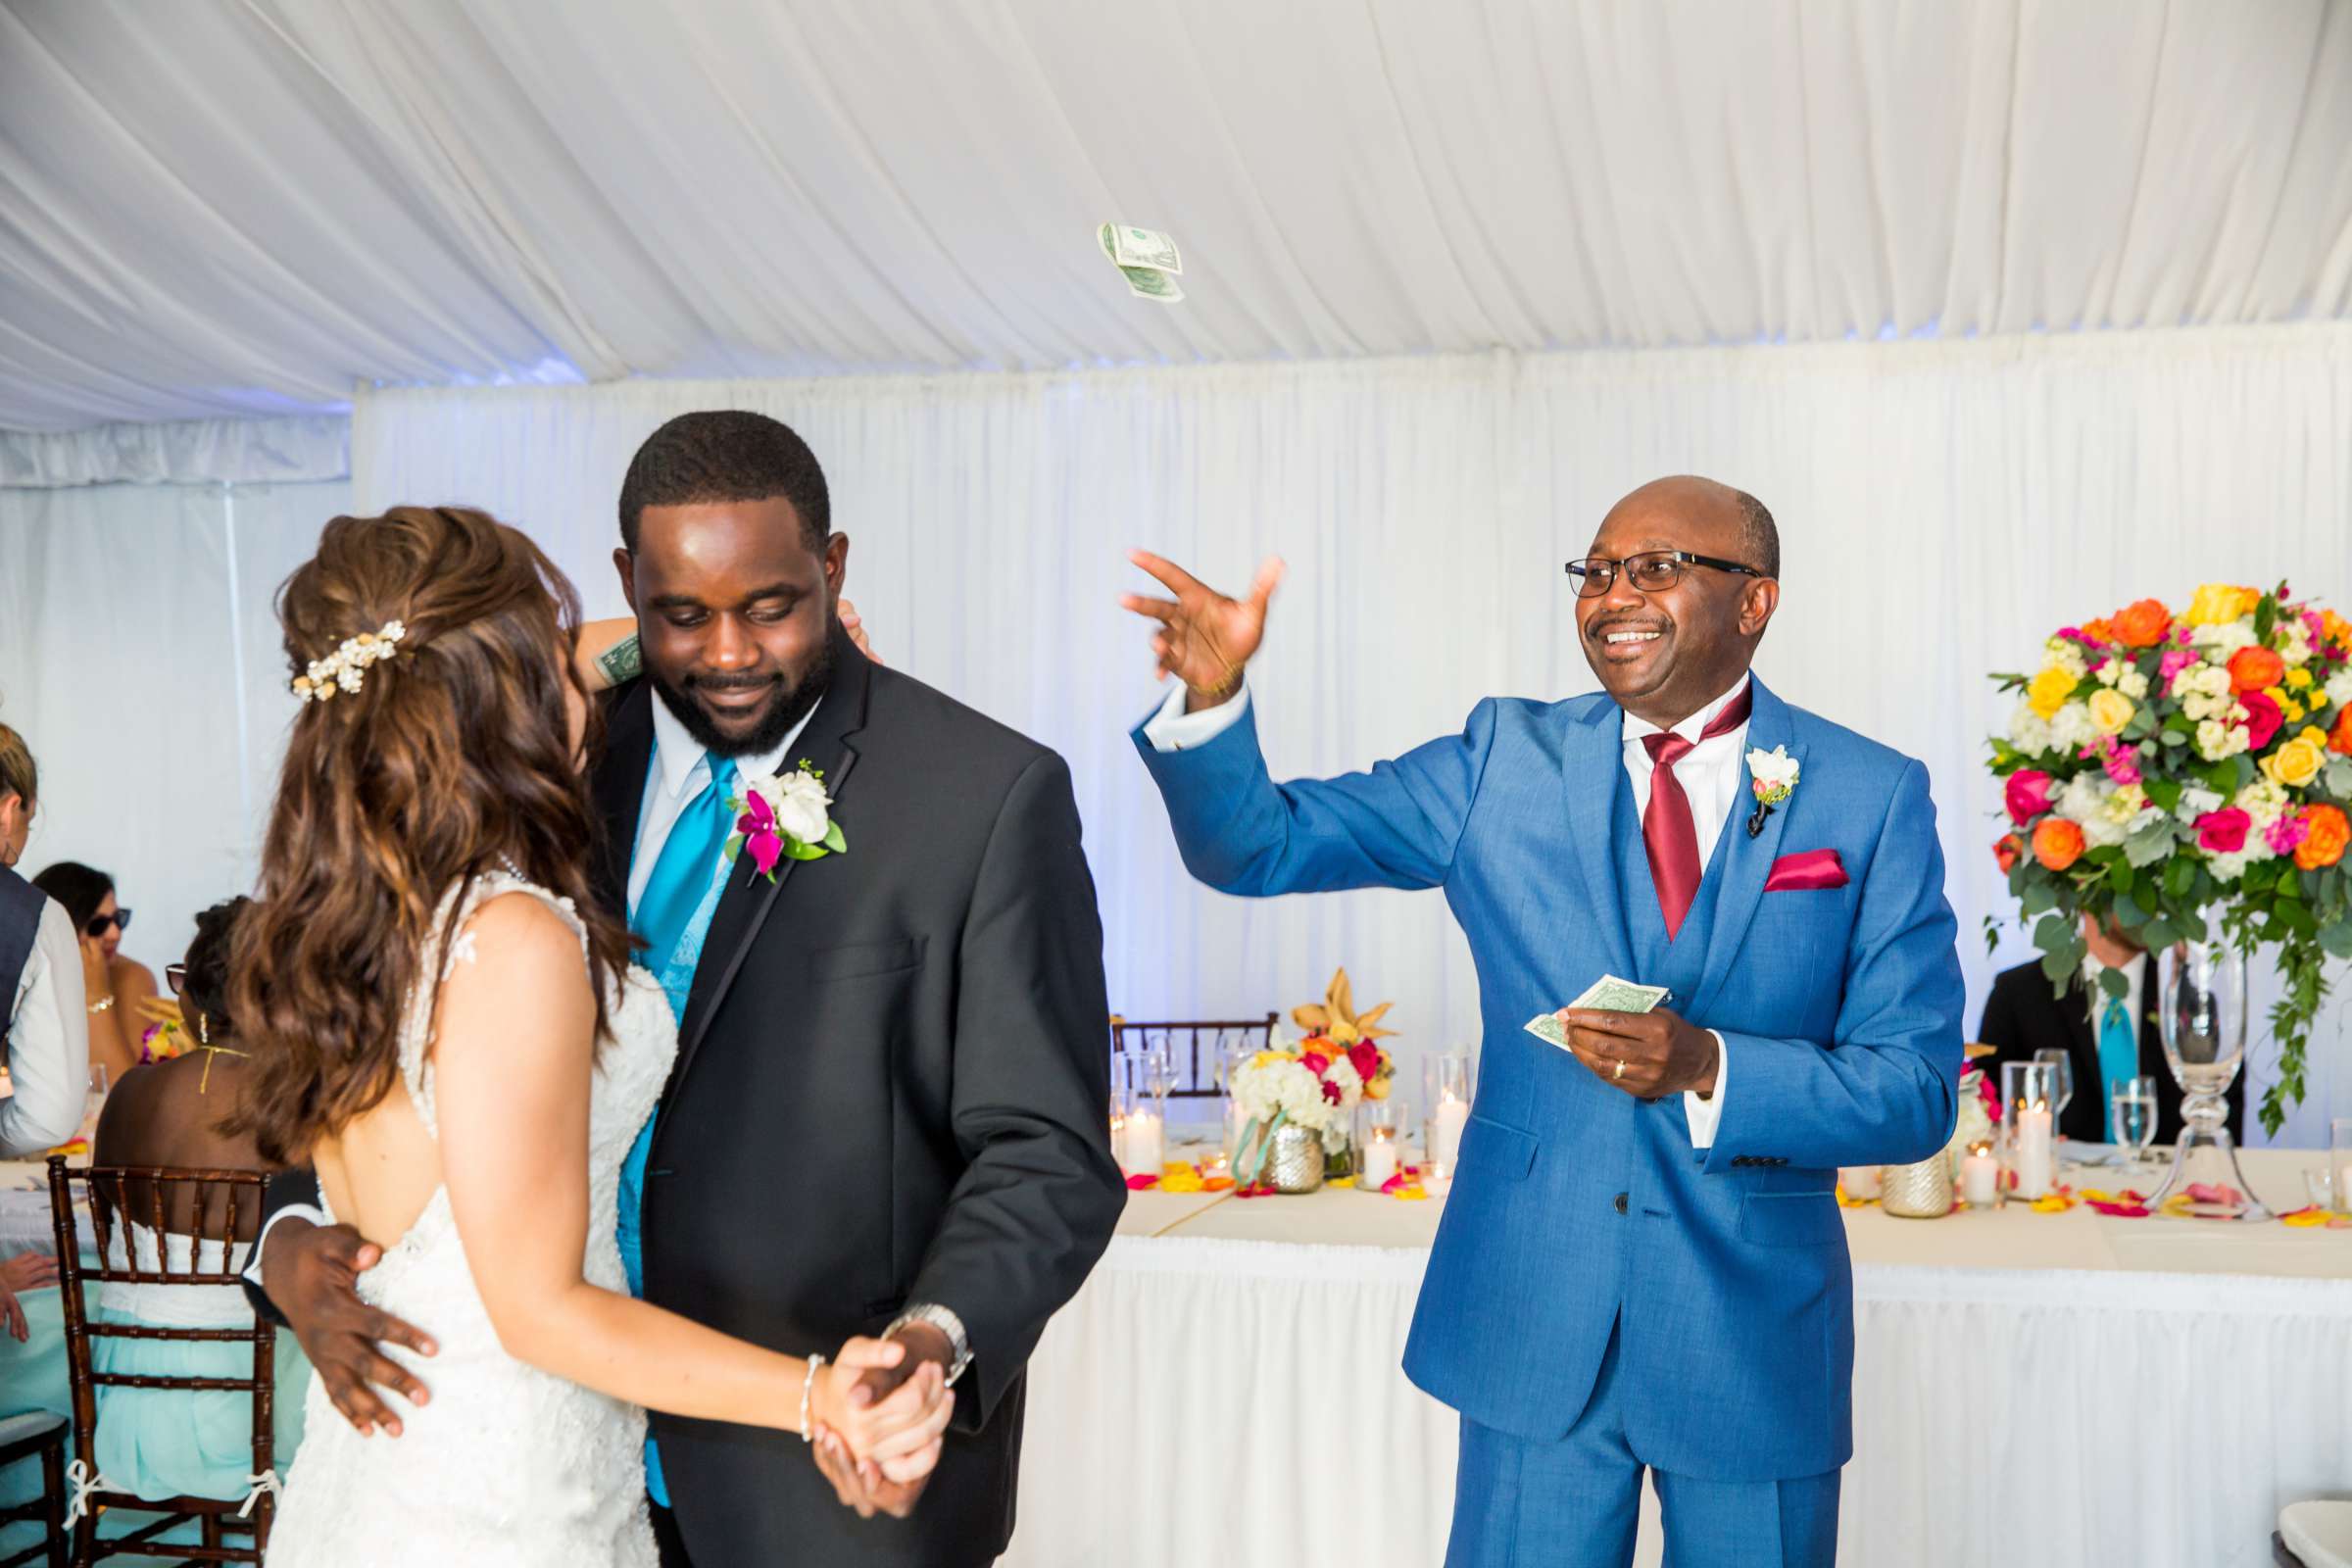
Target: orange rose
2007,851
2337,629
2142,626
2057,843
2098,631
2324,844
2341,739
2254,669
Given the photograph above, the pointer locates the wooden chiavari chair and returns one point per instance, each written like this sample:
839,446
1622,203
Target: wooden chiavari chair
1197,1050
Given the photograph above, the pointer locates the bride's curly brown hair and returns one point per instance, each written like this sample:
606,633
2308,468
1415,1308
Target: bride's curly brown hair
455,756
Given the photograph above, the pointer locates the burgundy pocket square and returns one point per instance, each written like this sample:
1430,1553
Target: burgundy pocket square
1807,871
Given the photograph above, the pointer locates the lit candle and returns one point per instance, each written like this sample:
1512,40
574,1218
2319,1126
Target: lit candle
2037,1156
1147,1145
1980,1176
1380,1157
1861,1182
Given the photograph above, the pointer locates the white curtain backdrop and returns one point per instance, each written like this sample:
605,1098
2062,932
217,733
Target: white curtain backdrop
140,658
1942,506
247,206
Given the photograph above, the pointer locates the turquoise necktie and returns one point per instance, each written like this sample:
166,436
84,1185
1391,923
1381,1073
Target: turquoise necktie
2119,1054
673,915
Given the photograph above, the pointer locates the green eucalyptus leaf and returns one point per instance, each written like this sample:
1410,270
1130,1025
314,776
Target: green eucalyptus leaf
2337,939
2179,878
2060,967
2128,911
2054,934
2114,984
2158,934
2039,899
2338,777
2150,844
2173,737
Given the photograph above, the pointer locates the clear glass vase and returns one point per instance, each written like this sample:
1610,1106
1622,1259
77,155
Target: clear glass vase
2201,1008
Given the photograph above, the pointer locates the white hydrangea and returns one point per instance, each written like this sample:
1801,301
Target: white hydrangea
2067,655
2216,740
2029,731
2220,642
2073,728
2085,800
2132,684
2230,867
2340,688
2200,706
2109,672
2294,643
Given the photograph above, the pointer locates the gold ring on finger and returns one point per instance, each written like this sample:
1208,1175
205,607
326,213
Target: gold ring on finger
1620,1072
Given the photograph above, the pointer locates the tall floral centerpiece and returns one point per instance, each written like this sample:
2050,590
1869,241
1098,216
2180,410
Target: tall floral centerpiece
2188,777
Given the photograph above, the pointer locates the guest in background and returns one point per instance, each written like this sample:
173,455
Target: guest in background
2105,1038
115,986
41,999
163,1443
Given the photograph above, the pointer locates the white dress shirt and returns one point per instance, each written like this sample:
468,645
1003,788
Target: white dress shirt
1709,773
48,1042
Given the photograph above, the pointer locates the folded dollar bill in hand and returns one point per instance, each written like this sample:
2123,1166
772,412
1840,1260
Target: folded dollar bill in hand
1608,994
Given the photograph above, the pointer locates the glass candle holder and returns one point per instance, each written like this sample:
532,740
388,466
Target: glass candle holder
1449,1085
1142,1109
1380,1126
2028,1155
1980,1176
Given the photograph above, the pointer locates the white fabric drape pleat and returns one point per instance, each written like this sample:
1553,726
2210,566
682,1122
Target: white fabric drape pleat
247,206
140,658
291,450
1942,506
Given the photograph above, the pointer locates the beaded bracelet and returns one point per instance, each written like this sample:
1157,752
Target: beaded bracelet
808,1396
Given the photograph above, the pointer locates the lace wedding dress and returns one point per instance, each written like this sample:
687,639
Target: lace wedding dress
508,1466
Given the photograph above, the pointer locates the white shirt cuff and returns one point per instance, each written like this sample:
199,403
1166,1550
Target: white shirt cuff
253,1264
1703,1114
1172,729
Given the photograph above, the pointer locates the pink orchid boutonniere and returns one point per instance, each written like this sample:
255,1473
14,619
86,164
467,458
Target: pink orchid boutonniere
784,818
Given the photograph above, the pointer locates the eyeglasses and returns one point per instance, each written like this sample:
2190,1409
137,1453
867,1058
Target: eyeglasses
176,975
120,920
1651,571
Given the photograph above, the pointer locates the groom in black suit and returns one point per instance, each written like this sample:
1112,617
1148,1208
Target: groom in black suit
888,1107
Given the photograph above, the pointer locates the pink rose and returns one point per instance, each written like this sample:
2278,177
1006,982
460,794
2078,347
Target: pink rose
2223,832
2027,795
1316,1062
2263,719
1364,1058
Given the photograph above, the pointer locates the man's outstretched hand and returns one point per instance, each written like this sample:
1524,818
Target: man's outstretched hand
1205,637
311,1274
891,1487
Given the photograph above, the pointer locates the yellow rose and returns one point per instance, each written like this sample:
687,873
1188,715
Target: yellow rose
2298,678
2217,604
2110,711
2291,712
2049,691
2297,762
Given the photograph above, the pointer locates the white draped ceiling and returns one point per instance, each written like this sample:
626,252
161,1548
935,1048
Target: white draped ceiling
212,206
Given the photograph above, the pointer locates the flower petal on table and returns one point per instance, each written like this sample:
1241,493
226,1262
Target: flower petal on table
1142,1184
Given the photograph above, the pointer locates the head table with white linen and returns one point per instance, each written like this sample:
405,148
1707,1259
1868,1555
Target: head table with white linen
2029,1388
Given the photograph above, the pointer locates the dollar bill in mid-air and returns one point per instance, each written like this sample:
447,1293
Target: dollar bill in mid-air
1147,257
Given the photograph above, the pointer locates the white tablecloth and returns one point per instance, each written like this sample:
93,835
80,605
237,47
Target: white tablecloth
2026,1389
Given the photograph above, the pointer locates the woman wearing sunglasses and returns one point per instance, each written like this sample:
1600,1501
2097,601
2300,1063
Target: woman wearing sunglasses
114,984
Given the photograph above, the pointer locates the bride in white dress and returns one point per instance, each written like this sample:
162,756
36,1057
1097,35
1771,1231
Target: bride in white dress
448,1029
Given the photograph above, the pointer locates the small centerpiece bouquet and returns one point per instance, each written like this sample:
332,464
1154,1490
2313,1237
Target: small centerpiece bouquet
2159,766
1310,1086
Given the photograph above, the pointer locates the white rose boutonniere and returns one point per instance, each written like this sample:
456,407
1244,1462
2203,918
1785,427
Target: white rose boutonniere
785,817
1773,776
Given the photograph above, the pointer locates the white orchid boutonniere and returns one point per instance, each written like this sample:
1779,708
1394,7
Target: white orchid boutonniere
1773,776
784,818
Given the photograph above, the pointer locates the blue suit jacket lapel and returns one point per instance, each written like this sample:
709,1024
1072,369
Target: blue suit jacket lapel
1746,862
1592,770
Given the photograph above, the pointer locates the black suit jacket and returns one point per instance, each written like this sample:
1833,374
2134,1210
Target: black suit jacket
2023,1016
892,1086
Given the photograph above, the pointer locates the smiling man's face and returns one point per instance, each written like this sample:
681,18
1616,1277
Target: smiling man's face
734,607
1665,655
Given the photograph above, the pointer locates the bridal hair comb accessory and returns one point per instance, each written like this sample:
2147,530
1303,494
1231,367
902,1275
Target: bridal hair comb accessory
347,666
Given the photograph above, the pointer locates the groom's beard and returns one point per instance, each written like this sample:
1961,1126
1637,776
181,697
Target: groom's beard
787,706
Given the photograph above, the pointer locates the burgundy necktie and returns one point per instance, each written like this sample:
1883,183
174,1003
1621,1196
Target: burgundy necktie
1667,832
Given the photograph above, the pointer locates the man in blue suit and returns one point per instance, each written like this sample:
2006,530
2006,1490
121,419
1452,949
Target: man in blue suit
1641,1264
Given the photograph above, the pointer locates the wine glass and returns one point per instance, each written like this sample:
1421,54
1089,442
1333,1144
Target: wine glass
2132,1117
2063,1060
96,1101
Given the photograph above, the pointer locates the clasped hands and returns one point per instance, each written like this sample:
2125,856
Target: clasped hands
1647,1055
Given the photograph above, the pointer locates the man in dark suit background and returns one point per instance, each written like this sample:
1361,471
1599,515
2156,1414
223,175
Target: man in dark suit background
888,1110
2101,1035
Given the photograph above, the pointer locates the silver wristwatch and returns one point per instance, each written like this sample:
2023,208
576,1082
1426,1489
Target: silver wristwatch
948,1323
